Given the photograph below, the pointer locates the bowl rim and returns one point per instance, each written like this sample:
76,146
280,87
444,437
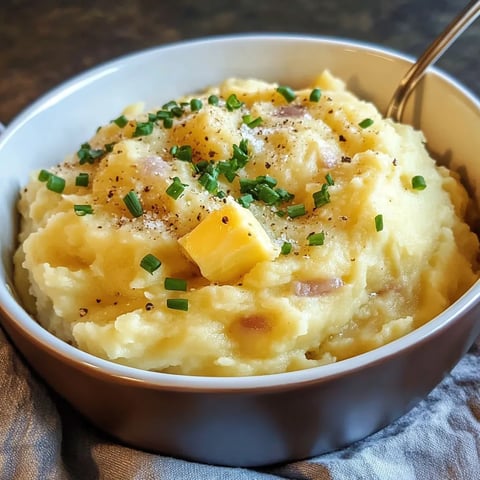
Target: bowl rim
19,319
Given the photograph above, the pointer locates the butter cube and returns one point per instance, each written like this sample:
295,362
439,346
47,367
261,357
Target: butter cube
228,243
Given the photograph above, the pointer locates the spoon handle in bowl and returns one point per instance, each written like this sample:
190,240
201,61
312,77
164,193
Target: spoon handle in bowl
458,25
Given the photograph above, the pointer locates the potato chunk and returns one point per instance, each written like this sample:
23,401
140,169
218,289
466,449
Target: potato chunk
228,243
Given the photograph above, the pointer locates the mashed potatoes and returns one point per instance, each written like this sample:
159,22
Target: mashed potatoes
248,230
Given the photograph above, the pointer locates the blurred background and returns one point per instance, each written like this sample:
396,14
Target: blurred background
45,42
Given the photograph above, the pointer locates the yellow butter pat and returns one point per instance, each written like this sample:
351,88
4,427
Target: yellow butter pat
228,243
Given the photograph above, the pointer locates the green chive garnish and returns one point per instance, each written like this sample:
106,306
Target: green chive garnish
284,195
287,93
367,122
286,248
178,304
168,122
379,223
169,105
44,175
246,200
247,185
267,194
55,184
329,180
87,154
133,204
209,182
297,210
315,239
121,121
195,104
176,188
213,100
109,147
177,111
315,95
240,154
82,210
81,180
252,122
143,128
233,103
178,284
150,263
183,152
419,183
163,114
322,197
267,180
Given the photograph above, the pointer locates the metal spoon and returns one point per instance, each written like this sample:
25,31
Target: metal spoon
429,57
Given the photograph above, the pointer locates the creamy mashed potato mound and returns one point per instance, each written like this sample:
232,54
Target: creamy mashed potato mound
299,228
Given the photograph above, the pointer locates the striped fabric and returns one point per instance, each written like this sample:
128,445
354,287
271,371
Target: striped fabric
42,438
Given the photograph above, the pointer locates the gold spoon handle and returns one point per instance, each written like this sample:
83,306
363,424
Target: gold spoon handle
461,22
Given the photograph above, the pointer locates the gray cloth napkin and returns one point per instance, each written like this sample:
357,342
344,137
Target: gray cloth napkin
42,438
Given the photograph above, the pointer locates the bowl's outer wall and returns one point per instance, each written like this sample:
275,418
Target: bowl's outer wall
257,427
246,427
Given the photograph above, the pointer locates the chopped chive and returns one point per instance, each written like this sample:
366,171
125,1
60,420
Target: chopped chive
297,210
315,95
82,210
284,195
209,182
322,197
379,223
267,180
150,263
183,152
246,200
109,147
178,284
286,248
267,194
243,145
329,180
221,194
143,128
316,239
233,103
195,104
252,122
176,188
240,154
287,93
81,180
168,122
44,175
169,105
121,121
201,166
247,185
87,154
163,114
367,122
177,111
55,184
213,100
178,304
419,183
133,204
228,168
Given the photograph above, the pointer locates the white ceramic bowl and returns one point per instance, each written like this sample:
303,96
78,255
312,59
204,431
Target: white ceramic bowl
254,420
